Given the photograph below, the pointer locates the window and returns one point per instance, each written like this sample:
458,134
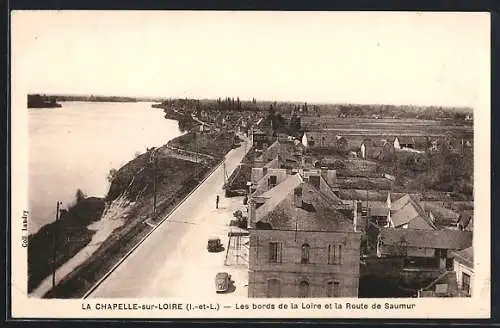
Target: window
334,254
273,288
305,253
333,289
304,289
466,283
275,252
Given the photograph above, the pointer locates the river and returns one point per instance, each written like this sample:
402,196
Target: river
76,145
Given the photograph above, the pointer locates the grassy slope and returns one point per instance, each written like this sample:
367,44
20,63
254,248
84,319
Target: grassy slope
175,179
73,235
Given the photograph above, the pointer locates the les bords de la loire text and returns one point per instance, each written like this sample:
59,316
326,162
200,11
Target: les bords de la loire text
248,306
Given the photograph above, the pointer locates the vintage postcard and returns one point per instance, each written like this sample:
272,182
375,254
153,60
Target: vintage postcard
184,164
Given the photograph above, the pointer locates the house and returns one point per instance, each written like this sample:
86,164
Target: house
463,265
284,151
259,138
444,286
407,213
301,245
424,247
264,179
403,142
440,215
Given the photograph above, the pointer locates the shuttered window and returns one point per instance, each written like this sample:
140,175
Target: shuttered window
275,252
335,254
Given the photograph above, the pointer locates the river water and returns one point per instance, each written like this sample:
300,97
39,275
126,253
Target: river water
76,145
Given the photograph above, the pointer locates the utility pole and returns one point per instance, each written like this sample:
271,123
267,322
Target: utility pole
54,253
154,183
153,160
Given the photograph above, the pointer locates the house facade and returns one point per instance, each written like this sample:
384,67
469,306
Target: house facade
430,248
303,264
301,245
463,265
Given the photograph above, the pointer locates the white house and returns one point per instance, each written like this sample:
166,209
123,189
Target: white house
463,265
363,151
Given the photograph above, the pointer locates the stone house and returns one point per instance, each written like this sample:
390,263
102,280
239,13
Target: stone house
406,212
301,245
424,248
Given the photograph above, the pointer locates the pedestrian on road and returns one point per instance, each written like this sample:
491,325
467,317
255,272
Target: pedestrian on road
217,202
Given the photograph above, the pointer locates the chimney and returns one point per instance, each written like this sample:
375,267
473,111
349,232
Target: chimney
331,177
297,197
251,211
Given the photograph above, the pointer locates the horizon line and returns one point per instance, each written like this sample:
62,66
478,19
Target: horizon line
249,100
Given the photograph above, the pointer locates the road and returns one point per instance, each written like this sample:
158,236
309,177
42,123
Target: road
173,261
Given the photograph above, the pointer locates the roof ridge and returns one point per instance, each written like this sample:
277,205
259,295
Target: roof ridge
421,212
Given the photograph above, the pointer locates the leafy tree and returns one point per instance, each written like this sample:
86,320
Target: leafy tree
111,175
79,196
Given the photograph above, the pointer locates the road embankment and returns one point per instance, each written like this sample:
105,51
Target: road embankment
134,186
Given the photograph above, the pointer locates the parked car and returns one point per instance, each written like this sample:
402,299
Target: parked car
214,245
222,281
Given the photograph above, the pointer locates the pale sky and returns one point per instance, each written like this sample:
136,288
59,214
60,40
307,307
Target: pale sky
393,58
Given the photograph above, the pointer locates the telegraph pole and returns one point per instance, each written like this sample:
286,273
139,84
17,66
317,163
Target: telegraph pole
153,160
54,253
154,182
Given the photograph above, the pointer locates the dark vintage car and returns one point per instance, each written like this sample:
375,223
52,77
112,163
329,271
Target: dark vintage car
214,245
222,281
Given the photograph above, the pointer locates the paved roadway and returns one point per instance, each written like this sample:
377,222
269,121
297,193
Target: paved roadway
173,261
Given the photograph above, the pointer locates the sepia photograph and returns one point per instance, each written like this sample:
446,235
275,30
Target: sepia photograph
250,164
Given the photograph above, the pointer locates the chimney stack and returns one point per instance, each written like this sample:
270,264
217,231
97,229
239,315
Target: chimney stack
331,177
297,197
251,211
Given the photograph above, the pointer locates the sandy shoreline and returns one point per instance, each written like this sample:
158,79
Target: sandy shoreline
112,218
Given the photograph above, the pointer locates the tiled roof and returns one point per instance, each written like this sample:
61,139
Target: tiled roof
262,184
277,194
445,239
465,256
378,208
274,163
406,140
407,211
441,213
315,214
